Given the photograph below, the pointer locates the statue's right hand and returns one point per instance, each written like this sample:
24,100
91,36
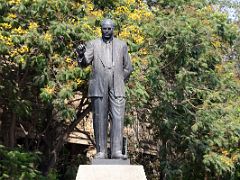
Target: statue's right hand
81,49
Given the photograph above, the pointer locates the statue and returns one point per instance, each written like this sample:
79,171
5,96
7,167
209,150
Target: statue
111,69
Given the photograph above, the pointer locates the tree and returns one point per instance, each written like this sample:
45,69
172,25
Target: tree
43,90
185,83
188,97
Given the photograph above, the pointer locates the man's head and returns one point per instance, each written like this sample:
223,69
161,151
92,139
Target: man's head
107,28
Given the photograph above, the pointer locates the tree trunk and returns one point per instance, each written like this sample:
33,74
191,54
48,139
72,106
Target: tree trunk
8,128
12,139
56,144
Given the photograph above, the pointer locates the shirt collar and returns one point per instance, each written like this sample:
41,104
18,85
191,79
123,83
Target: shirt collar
108,42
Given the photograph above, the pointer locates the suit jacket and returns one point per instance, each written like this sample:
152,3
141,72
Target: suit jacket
122,67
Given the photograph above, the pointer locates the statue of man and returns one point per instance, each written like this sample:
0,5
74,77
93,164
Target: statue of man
111,67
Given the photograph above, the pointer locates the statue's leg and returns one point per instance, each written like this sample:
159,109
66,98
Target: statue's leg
100,124
116,108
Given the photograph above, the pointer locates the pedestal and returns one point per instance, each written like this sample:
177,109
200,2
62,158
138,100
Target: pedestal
110,172
110,162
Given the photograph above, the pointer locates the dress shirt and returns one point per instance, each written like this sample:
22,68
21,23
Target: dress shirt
107,53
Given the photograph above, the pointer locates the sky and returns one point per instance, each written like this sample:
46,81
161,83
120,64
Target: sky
232,11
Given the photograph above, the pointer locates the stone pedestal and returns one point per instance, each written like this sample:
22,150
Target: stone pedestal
111,172
110,162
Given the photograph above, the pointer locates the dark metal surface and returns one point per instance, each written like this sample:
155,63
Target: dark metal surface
111,67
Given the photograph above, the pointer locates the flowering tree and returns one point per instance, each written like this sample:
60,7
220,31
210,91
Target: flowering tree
40,79
185,84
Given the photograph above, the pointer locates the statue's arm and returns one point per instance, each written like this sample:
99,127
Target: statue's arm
85,57
127,65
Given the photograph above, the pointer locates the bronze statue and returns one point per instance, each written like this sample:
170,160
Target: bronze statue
111,68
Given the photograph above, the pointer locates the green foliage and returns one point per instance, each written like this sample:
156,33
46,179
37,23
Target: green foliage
217,127
39,77
185,84
16,164
194,107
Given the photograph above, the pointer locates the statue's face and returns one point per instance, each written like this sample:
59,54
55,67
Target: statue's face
107,30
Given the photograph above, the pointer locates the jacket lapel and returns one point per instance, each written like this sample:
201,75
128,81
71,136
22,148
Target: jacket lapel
100,48
115,50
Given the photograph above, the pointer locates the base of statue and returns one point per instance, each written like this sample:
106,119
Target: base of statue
111,172
111,162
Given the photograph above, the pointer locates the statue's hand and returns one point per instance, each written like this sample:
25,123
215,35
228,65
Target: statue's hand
81,50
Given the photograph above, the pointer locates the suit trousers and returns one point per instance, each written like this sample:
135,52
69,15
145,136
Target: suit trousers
108,107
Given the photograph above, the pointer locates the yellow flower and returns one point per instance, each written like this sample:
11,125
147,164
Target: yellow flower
122,10
11,16
55,56
143,51
68,59
33,25
98,13
2,37
226,160
16,2
134,29
86,26
129,2
134,16
144,61
19,30
219,68
87,69
72,20
89,6
141,14
23,49
80,82
234,158
70,45
6,40
98,32
71,66
124,34
216,44
75,64
5,26
139,39
9,43
143,5
13,53
132,32
49,90
77,5
134,60
22,60
209,8
225,152
47,37
148,15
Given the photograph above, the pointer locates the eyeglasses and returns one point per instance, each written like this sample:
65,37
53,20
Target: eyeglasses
107,28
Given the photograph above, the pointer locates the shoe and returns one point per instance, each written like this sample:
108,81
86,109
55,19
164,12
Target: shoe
100,155
119,155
